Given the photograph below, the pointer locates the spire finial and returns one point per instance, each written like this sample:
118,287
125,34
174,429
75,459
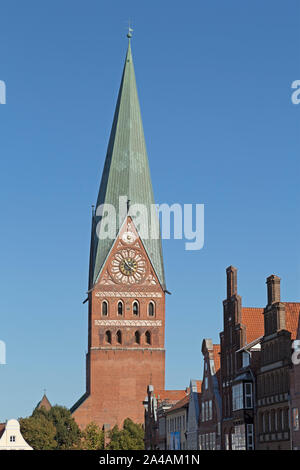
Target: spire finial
130,30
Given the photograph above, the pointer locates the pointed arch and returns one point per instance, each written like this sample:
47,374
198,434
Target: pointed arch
120,308
148,337
104,308
108,336
137,337
119,336
135,308
151,309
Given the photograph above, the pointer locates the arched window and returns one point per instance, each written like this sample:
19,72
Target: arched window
135,308
120,308
108,337
104,308
119,337
137,337
151,309
148,337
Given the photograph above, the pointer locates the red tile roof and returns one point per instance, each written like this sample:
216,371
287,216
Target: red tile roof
170,396
180,404
292,311
253,319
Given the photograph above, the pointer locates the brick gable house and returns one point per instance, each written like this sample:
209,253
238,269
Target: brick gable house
242,327
176,424
243,396
209,430
193,414
156,404
273,383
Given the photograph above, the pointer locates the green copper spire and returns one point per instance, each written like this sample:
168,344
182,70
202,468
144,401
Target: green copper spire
126,171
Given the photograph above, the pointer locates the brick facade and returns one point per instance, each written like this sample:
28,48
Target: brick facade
157,403
242,325
126,349
210,416
273,381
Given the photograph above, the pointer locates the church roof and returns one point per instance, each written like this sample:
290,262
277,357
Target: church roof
44,403
126,173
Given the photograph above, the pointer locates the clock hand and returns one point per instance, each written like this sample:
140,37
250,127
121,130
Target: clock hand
126,263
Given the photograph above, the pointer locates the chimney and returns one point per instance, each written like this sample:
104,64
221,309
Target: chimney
231,272
273,286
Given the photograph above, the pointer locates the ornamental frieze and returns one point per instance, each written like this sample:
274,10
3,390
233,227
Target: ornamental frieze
128,294
128,322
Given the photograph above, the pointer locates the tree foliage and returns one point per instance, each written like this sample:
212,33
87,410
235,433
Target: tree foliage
92,438
67,431
53,429
38,432
131,437
57,429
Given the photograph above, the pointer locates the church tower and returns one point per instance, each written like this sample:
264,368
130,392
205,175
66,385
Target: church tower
126,297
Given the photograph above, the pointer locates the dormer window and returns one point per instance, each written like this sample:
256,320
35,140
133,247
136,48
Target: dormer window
246,359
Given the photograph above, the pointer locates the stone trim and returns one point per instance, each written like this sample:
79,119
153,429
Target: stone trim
128,322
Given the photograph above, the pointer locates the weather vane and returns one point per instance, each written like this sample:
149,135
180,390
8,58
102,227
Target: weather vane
130,30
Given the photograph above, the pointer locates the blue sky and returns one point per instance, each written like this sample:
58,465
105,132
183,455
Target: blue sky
214,81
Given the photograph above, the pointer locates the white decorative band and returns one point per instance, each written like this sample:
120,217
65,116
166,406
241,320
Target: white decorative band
97,348
128,294
128,322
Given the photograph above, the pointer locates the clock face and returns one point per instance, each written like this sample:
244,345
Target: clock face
128,266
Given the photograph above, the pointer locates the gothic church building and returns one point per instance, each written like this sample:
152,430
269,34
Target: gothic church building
126,296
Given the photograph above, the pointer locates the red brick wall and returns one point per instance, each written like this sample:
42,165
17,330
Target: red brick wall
118,374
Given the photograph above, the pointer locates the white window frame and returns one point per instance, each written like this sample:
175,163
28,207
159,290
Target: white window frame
237,397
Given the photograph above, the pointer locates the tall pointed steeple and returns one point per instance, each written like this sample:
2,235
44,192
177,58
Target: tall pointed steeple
126,172
126,301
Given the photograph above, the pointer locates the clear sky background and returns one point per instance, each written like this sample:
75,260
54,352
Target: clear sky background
214,81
